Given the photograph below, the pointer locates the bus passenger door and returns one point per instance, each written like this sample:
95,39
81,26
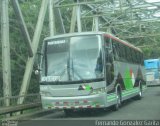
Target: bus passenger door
109,61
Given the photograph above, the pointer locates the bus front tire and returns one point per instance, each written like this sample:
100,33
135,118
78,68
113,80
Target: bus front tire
118,103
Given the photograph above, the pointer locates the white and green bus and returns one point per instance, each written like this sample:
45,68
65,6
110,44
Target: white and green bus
89,70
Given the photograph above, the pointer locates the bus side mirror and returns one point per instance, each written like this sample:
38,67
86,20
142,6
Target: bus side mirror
38,57
36,72
39,53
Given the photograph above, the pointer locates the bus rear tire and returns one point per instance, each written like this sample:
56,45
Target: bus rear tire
139,96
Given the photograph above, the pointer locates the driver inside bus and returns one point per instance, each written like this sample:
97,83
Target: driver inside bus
99,66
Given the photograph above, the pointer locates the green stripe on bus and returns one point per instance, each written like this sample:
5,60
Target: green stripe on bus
128,79
130,91
111,97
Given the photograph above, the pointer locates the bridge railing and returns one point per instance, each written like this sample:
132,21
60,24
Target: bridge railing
31,101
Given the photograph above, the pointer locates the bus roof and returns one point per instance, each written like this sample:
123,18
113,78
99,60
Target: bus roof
123,42
74,34
149,60
94,33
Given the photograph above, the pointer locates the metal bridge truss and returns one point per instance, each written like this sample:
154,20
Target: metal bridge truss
127,19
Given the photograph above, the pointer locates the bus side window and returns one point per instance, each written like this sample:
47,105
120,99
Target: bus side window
132,53
115,50
142,62
108,49
123,53
140,58
129,55
126,54
134,56
120,53
137,57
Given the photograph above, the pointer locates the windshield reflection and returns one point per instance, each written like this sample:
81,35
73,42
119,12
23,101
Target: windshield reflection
73,59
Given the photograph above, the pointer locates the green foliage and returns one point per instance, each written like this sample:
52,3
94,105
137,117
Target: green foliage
19,52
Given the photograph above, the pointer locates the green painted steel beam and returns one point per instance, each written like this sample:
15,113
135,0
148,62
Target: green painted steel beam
5,51
35,43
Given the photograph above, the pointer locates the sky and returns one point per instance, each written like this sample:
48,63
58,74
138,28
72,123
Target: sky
150,1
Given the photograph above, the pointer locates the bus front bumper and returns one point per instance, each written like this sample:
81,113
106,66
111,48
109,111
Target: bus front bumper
78,102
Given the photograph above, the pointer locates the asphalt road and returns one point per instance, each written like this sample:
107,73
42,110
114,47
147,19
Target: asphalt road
148,108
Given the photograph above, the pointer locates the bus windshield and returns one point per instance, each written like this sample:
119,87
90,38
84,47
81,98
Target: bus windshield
73,58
